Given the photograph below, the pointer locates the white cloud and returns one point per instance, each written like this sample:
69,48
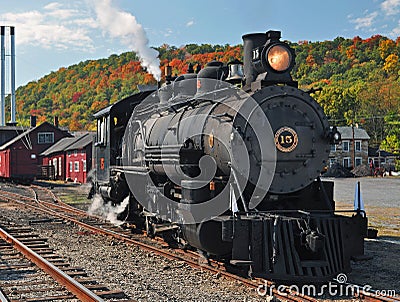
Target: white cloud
190,23
85,22
365,22
168,32
390,7
396,31
53,6
62,14
52,27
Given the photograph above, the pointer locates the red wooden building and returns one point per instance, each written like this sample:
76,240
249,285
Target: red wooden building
70,158
54,157
79,159
19,157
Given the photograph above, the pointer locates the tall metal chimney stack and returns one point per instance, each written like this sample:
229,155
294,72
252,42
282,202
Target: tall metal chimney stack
12,34
3,77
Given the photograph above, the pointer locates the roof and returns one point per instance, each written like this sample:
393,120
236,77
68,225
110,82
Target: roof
24,134
376,152
12,128
82,142
59,146
126,103
102,112
347,133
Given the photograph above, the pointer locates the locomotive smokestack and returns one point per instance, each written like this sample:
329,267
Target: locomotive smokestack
12,34
3,72
250,42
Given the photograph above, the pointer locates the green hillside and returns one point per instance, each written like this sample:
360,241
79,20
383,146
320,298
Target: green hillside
360,81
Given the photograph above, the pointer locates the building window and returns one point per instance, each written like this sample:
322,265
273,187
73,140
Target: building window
102,130
358,161
84,165
346,162
45,137
358,146
332,161
70,166
75,152
333,148
346,146
76,166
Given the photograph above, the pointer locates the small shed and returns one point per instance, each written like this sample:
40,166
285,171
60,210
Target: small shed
19,157
79,158
382,158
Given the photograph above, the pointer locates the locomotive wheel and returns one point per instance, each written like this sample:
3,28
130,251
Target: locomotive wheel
174,241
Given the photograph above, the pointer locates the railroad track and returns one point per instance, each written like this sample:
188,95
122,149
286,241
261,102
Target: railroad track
43,199
32,271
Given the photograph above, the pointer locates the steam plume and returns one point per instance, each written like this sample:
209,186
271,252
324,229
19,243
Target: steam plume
107,211
123,25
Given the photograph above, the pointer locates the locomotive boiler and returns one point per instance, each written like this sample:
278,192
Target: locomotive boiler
228,161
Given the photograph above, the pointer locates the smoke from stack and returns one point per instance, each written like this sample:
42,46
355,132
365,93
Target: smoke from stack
123,25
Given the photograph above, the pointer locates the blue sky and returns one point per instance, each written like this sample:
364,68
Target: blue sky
52,34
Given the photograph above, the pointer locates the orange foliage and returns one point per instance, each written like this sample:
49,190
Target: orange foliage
310,61
350,51
98,105
148,79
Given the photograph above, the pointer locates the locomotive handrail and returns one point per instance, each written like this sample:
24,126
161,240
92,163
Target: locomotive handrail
246,209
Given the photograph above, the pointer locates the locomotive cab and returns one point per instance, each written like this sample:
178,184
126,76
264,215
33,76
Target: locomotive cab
111,123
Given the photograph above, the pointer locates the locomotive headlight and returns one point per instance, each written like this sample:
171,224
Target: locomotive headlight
279,58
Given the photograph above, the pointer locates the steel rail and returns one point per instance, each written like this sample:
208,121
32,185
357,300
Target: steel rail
62,278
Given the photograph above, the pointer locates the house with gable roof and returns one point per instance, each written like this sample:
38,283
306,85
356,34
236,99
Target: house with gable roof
352,151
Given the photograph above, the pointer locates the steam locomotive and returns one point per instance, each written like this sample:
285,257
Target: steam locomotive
227,160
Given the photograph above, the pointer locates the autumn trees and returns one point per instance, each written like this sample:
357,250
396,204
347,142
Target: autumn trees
360,83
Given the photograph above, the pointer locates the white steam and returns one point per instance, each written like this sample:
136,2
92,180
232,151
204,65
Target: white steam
107,211
123,25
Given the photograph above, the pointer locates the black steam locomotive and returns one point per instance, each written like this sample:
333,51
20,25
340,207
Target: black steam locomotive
227,160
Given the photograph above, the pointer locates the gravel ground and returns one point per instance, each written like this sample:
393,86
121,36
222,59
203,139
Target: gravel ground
140,274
